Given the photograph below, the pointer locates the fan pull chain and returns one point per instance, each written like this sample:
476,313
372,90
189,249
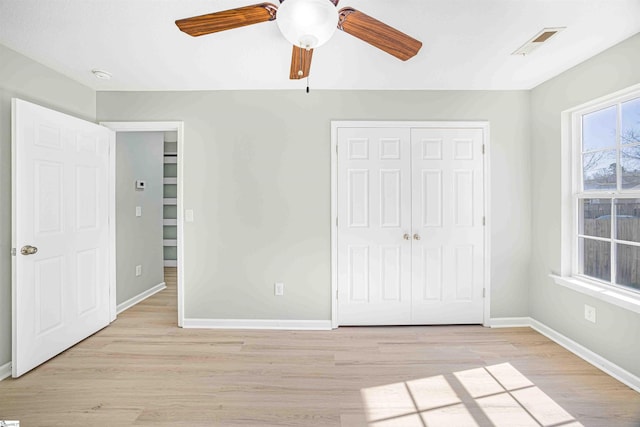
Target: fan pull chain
300,72
307,83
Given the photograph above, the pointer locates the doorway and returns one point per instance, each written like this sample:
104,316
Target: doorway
171,198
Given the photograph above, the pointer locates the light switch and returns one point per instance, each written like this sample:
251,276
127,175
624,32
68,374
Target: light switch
138,210
188,215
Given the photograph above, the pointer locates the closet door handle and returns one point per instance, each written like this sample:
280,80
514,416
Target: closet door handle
406,236
28,250
416,236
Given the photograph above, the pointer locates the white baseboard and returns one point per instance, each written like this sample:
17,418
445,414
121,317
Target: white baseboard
5,371
579,350
310,325
595,359
510,322
140,297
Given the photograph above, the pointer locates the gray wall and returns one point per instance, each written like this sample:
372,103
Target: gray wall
26,79
257,171
616,335
139,156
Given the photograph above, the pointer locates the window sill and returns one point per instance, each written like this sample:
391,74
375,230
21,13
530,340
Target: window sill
620,298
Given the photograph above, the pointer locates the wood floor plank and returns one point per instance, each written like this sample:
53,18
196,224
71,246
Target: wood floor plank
145,371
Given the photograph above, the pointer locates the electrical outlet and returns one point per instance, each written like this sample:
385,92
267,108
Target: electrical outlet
138,210
279,289
138,270
590,313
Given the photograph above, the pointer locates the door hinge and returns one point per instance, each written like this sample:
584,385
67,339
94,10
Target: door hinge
336,221
337,295
482,148
483,292
484,220
336,149
13,251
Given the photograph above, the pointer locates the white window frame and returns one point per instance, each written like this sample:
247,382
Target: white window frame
572,193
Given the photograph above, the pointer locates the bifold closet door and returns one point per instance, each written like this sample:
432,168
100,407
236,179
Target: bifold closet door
374,226
448,244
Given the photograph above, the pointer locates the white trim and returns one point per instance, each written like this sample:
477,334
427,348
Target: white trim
141,297
113,309
5,371
308,325
579,350
453,124
584,353
487,218
14,216
482,124
607,293
510,322
162,126
166,126
334,224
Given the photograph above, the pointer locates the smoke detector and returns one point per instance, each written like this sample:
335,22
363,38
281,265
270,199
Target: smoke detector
537,40
101,74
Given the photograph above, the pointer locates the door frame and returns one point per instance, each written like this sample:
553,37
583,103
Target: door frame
479,124
168,126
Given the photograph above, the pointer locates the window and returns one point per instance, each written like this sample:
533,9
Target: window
606,192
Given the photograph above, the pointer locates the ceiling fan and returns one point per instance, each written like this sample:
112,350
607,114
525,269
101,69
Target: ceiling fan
307,24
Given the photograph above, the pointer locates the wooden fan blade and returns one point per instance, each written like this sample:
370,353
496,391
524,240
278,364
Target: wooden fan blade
227,19
378,34
300,61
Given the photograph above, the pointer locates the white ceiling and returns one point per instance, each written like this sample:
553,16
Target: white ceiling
466,43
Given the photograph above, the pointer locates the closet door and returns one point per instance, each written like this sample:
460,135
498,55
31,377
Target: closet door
374,226
447,222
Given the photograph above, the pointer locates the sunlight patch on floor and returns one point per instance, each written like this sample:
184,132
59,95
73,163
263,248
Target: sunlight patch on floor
497,395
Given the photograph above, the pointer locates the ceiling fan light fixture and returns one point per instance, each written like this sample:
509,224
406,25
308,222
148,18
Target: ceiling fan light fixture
307,23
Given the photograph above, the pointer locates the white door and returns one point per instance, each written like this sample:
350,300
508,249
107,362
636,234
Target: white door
61,207
410,226
448,244
374,217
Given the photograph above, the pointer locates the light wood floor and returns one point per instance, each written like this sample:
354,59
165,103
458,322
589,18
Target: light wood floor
144,371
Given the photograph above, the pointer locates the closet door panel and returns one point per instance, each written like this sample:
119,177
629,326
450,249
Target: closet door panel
448,243
374,214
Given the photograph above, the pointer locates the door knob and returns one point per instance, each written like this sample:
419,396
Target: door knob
416,236
406,236
28,250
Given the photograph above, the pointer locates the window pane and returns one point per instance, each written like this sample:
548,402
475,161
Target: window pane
630,162
599,129
628,219
630,121
599,170
628,266
596,258
595,217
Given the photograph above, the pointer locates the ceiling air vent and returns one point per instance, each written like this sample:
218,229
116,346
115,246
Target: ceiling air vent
537,41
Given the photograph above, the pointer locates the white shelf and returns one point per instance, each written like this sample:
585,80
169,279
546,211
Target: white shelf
170,242
170,159
170,263
170,153
170,180
169,222
170,201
